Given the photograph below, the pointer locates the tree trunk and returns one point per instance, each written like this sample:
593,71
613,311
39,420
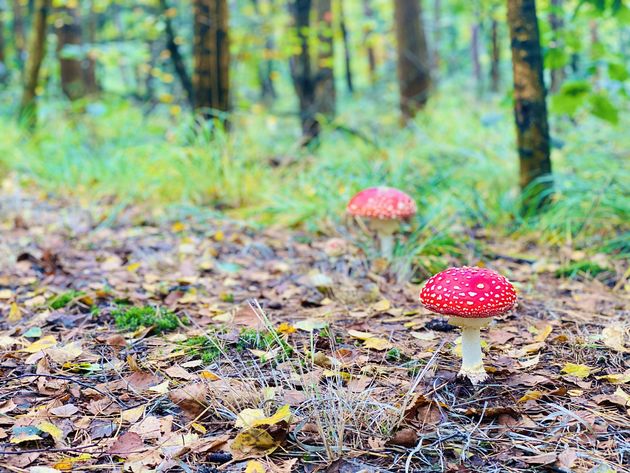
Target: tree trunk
556,22
69,35
36,53
4,71
474,56
89,66
530,109
265,66
211,59
367,40
495,55
302,71
171,45
18,32
437,20
346,48
325,94
414,77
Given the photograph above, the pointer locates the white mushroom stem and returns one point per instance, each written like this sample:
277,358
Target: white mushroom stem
472,357
385,230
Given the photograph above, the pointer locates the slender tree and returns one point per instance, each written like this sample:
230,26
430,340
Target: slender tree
211,57
19,38
266,65
4,71
474,56
325,93
346,48
495,57
556,22
414,65
89,65
368,32
36,53
69,40
173,48
530,109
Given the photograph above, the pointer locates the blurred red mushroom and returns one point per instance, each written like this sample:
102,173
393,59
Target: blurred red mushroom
470,296
384,208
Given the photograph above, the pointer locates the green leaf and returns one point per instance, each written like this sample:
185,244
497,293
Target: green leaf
618,71
603,108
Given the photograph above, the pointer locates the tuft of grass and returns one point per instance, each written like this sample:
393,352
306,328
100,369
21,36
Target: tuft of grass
62,300
262,340
578,268
204,347
132,318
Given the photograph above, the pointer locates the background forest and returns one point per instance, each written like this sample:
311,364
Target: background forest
184,285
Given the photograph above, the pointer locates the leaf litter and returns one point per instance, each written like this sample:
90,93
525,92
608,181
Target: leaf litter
276,354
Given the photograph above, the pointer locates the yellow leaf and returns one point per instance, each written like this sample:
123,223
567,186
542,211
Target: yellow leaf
282,414
6,294
15,314
41,344
543,333
65,353
617,378
286,328
247,417
54,431
620,393
254,442
382,305
199,428
378,344
254,466
531,396
579,371
209,375
66,464
178,227
219,236
360,335
133,267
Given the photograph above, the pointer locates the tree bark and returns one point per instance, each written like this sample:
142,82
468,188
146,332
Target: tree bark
437,21
176,56
414,76
495,55
346,48
36,53
474,55
211,59
89,67
325,93
530,109
367,40
556,22
18,32
69,34
265,66
4,71
302,71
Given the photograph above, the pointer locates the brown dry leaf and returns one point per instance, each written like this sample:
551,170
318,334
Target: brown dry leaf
65,353
614,337
542,459
66,410
126,445
178,372
190,398
567,458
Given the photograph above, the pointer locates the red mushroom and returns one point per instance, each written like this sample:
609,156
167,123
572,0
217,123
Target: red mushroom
470,296
384,207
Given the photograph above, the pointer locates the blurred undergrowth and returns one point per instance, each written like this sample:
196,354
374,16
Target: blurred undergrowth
458,160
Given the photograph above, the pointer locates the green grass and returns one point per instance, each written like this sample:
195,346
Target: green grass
63,299
132,318
458,161
579,268
206,348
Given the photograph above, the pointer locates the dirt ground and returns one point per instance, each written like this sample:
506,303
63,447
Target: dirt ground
305,356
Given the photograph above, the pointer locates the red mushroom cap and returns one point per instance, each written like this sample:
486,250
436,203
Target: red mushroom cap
384,203
468,292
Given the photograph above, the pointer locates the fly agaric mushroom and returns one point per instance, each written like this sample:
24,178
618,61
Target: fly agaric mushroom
470,296
384,208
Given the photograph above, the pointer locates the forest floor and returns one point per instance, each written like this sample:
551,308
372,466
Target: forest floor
198,346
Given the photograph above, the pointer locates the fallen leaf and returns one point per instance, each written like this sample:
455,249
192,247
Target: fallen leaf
617,378
126,445
132,415
41,344
67,410
579,371
382,306
531,396
543,333
542,459
613,337
65,353
15,314
427,336
25,434
190,398
360,335
567,458
55,432
378,344
310,325
254,466
246,417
